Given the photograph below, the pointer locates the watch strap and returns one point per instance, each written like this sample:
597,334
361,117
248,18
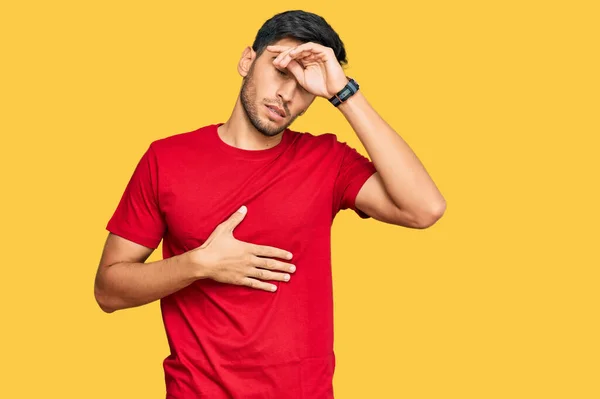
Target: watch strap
348,91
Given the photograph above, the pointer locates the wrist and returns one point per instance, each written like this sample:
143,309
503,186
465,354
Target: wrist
194,261
350,88
351,103
338,86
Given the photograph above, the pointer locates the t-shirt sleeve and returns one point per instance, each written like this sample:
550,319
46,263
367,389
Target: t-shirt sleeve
354,171
138,217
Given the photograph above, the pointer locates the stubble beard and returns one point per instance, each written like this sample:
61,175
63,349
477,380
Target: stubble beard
248,100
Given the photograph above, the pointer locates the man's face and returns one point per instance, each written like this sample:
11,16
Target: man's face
268,92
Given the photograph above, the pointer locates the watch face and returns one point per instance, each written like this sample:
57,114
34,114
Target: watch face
350,88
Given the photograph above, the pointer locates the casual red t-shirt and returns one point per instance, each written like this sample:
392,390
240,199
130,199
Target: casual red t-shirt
230,341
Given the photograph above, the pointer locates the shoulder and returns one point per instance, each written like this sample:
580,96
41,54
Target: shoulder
326,141
180,143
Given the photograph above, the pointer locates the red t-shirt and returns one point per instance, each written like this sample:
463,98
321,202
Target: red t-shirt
230,341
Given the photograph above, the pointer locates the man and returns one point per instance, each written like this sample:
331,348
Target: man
244,209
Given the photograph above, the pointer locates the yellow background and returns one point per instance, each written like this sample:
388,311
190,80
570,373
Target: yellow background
500,100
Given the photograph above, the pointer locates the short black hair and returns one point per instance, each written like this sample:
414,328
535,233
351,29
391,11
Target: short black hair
303,26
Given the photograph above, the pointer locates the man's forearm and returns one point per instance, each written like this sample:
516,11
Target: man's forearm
128,284
404,176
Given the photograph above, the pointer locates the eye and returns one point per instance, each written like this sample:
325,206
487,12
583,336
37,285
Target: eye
282,73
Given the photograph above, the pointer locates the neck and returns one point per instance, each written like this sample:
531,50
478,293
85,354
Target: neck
239,132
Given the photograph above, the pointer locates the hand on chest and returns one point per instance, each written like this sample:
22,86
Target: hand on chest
283,206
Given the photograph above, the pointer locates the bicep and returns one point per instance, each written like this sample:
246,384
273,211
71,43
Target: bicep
374,200
119,249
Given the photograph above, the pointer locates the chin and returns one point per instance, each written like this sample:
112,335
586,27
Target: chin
268,127
273,130
271,127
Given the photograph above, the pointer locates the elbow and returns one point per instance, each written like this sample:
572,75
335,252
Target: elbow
429,218
106,309
102,300
104,305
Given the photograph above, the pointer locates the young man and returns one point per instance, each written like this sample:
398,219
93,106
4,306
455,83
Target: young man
245,209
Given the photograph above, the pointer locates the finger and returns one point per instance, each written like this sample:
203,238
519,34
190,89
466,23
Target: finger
272,264
297,70
312,54
282,56
304,58
301,54
257,284
313,47
266,275
235,219
271,252
278,49
287,57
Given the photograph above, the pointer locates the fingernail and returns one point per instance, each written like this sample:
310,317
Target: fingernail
289,255
243,209
273,288
292,268
286,277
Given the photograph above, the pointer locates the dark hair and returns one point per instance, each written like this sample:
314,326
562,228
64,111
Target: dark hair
300,25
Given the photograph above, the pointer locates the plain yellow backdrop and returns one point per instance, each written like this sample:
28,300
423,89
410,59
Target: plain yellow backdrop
500,101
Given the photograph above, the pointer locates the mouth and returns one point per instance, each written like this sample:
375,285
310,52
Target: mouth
276,111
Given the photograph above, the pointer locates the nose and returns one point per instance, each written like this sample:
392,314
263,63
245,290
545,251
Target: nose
286,91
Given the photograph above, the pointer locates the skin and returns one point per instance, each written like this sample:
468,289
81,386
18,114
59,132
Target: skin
291,75
401,192
250,126
272,82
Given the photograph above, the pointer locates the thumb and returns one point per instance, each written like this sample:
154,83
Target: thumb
236,218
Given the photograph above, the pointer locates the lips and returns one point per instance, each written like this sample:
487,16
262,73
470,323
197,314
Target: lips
277,110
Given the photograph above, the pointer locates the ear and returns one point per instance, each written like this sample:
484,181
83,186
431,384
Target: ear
248,57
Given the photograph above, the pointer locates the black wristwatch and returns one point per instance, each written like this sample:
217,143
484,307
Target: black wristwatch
348,91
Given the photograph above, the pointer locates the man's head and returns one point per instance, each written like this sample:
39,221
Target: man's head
267,91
